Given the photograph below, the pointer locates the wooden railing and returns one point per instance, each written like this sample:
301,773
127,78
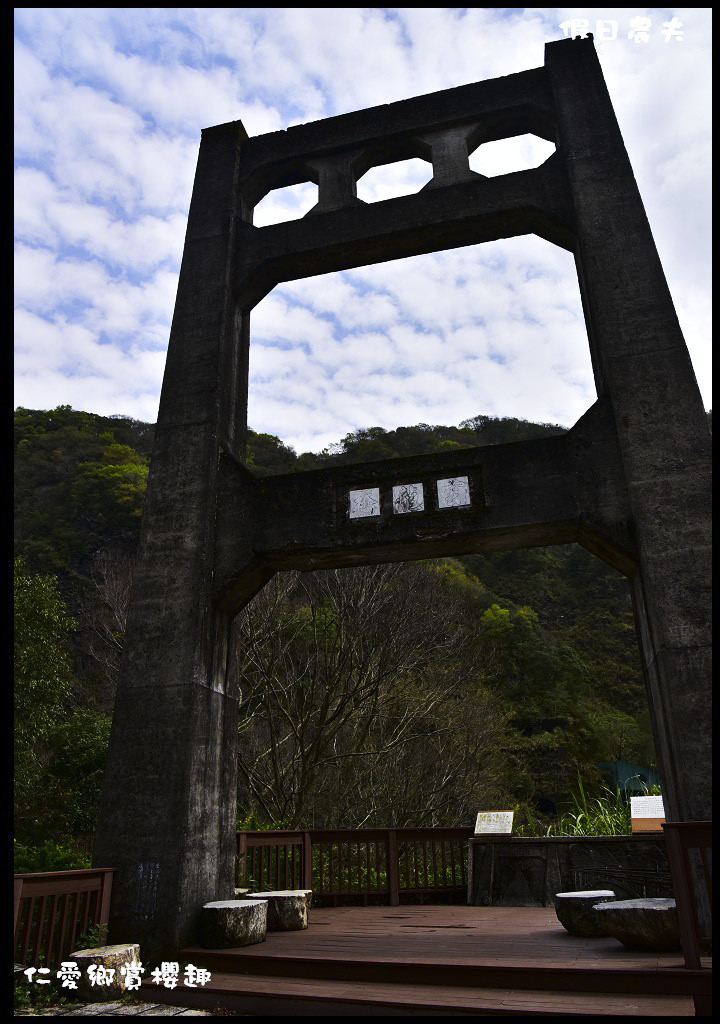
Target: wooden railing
689,851
54,908
384,863
273,860
682,837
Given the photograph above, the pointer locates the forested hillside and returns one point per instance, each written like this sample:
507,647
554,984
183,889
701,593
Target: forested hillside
415,694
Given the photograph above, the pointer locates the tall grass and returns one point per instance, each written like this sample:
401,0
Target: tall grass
605,815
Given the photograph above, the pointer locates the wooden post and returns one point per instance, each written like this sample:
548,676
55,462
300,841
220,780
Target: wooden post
684,896
104,898
16,911
241,859
393,867
307,861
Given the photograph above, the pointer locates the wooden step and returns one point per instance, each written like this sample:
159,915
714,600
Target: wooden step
567,978
435,961
267,995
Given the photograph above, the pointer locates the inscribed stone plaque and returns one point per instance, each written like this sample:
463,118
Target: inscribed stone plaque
494,823
365,503
519,881
647,813
408,498
453,492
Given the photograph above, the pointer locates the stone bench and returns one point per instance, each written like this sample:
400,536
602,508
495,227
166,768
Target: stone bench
575,911
649,923
287,908
225,924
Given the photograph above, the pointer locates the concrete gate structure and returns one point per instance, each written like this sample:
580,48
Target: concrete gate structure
630,481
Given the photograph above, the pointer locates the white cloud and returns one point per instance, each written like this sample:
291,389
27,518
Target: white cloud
110,103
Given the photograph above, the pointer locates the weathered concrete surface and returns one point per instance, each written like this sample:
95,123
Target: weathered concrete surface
287,908
101,960
641,924
631,481
574,911
225,924
505,871
641,362
167,817
545,491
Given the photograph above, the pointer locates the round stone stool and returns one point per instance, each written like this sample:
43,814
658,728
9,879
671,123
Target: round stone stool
575,911
106,962
225,924
287,908
649,923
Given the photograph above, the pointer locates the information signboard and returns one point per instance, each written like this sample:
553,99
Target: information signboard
647,813
494,823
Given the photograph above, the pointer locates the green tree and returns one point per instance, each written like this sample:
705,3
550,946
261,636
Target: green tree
112,489
42,677
77,750
553,627
496,621
363,699
60,748
79,486
267,454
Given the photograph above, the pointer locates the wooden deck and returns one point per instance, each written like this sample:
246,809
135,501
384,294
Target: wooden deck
437,961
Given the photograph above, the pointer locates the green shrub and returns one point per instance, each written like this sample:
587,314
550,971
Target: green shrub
93,938
29,996
47,856
251,823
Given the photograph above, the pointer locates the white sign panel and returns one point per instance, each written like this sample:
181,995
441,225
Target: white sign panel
365,503
408,498
646,807
494,823
453,492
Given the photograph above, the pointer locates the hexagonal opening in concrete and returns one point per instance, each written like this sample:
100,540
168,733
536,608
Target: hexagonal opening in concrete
390,181
504,156
288,203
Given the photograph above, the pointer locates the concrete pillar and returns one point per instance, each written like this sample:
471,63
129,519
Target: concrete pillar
642,364
167,817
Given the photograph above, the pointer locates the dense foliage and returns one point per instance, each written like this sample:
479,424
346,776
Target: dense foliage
525,668
60,735
363,700
42,673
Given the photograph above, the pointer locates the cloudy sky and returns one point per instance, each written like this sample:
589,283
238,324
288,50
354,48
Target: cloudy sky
110,103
